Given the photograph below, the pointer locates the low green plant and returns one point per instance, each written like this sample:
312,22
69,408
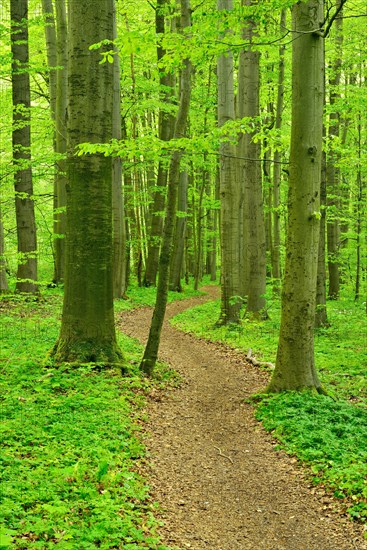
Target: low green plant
330,436
71,442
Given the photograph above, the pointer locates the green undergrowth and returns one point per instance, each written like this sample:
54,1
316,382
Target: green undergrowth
330,436
142,297
71,442
328,433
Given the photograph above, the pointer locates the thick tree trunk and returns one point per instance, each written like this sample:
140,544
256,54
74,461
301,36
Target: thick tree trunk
250,174
87,331
166,126
229,191
295,364
180,231
151,350
21,141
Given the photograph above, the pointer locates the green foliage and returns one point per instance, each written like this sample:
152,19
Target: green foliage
141,296
69,472
329,436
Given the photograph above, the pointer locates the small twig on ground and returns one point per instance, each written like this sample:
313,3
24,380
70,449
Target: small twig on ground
224,456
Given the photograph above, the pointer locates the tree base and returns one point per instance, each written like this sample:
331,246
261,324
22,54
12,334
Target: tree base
103,354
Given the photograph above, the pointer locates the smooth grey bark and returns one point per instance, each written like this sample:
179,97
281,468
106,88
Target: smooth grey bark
321,310
295,363
151,349
250,174
56,47
277,169
119,224
51,51
180,232
332,170
3,279
166,126
60,140
21,147
229,190
87,331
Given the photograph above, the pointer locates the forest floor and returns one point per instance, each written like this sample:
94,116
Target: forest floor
219,479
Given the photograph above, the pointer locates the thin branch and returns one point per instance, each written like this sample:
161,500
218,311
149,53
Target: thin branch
332,19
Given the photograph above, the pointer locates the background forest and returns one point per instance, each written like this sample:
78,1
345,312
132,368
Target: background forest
204,167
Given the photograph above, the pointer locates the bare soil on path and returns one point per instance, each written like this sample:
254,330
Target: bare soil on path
215,472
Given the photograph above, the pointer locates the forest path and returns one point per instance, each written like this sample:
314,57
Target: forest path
214,470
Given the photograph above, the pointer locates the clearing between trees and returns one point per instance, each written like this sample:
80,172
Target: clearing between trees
217,475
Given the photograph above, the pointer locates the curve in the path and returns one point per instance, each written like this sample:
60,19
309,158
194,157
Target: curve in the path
220,481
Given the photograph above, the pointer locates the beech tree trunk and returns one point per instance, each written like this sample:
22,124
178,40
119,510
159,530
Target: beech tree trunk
180,231
119,225
229,191
21,142
3,279
60,144
333,171
87,331
250,174
277,169
295,363
166,127
321,311
151,349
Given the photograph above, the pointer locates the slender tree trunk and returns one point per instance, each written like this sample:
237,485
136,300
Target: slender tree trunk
60,123
229,191
332,170
51,50
87,331
359,209
151,349
119,225
179,240
321,311
166,126
21,142
3,279
250,173
275,260
295,363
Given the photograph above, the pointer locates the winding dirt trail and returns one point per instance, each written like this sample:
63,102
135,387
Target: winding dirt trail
215,472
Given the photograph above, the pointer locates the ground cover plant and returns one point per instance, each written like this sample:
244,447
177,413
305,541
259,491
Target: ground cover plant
329,433
69,472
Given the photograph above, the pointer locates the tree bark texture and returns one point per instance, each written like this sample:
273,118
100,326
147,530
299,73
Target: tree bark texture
180,232
321,310
295,363
229,191
21,142
250,175
151,349
166,126
333,171
60,145
87,331
119,225
277,170
3,279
